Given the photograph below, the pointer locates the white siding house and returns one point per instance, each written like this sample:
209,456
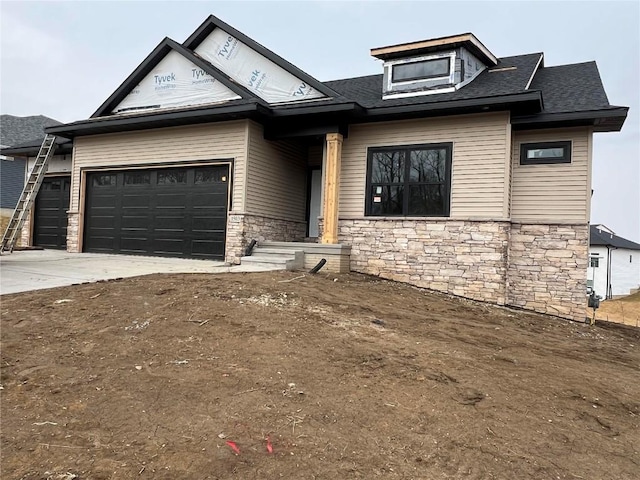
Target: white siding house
614,263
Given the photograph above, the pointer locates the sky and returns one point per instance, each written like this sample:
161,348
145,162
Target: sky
63,59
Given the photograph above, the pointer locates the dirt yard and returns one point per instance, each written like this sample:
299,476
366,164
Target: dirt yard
161,377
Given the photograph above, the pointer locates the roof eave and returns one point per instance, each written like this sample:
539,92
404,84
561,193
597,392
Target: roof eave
606,120
318,109
32,151
531,101
157,120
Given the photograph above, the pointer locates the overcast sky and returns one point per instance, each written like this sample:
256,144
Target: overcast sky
63,59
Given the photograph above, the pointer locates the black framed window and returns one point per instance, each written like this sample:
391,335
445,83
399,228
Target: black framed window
410,180
594,262
545,153
172,176
405,72
137,178
104,180
211,175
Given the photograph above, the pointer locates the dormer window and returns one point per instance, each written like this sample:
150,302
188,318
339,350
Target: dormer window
407,70
439,65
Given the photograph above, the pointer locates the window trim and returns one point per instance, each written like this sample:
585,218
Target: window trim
448,146
525,147
390,84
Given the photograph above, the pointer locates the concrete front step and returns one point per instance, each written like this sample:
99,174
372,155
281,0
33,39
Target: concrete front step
259,250
336,255
277,259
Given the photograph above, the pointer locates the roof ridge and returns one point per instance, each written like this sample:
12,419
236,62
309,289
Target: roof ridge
571,64
353,78
521,55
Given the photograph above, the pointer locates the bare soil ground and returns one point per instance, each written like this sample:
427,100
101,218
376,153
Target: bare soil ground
150,377
620,310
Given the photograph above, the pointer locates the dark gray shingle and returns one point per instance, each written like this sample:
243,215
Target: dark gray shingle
18,130
367,91
571,88
600,237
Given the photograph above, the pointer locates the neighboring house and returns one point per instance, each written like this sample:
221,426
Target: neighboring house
18,133
452,169
614,263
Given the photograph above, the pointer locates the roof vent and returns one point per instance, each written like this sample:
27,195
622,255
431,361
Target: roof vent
439,65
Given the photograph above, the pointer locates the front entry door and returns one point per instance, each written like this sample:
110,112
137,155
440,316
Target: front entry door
315,205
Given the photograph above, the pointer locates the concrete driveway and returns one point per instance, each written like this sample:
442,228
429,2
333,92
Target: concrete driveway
23,271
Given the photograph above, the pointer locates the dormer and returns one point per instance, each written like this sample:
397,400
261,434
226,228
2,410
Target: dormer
427,67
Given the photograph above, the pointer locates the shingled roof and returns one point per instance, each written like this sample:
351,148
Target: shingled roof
535,95
18,130
602,238
502,79
571,88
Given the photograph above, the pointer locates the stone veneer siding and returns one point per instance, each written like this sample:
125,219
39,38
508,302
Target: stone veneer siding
465,258
534,267
73,230
242,228
547,269
24,239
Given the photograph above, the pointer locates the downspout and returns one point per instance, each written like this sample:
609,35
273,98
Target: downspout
609,287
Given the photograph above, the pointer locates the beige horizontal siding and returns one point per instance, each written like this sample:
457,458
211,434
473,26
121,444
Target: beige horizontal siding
215,141
479,166
557,192
276,177
57,164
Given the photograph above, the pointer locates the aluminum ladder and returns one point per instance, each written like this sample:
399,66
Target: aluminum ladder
28,196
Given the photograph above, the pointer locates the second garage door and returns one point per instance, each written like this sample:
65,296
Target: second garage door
52,203
177,212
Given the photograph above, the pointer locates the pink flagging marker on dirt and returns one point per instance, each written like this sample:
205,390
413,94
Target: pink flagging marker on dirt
233,446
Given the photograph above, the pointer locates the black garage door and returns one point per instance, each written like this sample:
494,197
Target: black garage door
52,203
176,212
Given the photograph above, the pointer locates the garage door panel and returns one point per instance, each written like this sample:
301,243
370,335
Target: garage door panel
175,223
136,201
131,221
104,200
158,212
209,224
103,221
209,199
169,246
175,200
203,248
49,219
102,243
130,243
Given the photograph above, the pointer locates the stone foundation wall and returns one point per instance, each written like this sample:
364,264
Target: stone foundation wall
534,267
243,228
547,269
465,258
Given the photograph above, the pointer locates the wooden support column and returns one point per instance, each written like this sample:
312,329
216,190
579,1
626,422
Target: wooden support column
331,188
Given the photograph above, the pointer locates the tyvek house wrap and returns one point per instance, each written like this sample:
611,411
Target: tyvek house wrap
260,75
175,82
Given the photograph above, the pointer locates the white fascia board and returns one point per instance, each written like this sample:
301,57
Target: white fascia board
418,94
